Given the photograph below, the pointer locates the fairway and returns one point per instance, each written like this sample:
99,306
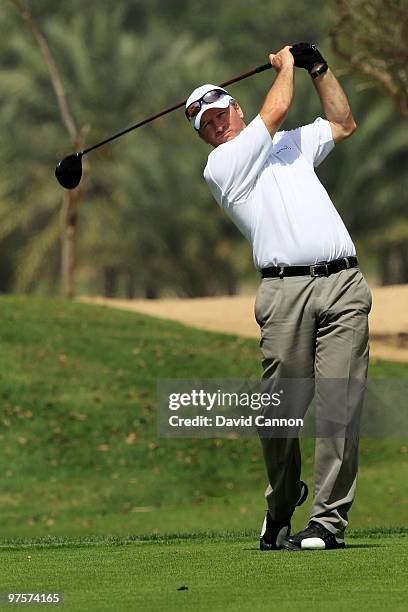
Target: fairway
220,572
89,491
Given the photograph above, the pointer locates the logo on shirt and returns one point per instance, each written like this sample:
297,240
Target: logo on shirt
285,148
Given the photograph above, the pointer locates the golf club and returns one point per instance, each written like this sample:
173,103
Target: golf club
69,169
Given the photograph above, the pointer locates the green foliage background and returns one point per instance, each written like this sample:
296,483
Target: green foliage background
147,220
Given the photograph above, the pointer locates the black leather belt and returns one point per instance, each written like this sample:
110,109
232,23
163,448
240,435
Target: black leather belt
322,268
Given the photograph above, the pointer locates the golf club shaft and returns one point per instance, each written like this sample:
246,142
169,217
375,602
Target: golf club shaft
176,106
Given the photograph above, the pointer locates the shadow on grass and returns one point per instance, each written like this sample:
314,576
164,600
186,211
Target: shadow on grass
348,546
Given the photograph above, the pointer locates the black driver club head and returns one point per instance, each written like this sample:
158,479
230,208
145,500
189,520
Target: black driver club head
69,171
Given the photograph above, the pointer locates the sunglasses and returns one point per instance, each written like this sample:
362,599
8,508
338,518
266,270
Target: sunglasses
211,96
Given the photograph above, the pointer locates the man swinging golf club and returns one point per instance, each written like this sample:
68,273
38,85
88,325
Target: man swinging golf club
313,302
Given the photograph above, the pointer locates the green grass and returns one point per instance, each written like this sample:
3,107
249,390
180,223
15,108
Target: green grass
221,572
79,449
94,505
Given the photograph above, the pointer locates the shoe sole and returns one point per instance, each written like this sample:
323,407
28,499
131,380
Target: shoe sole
294,548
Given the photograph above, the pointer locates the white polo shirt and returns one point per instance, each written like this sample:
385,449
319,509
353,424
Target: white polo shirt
269,189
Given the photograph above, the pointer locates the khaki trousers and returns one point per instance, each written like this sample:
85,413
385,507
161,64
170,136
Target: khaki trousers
315,327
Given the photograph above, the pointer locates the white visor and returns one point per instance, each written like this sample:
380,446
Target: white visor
222,102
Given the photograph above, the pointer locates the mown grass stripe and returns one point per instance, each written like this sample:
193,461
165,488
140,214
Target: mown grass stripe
113,540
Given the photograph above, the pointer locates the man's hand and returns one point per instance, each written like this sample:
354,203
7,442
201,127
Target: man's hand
282,59
307,56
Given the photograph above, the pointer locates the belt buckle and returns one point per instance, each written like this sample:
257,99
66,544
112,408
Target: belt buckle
319,265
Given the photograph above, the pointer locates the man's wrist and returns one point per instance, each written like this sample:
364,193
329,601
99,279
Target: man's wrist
318,69
287,67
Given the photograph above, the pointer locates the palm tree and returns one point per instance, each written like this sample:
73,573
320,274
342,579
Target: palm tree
112,78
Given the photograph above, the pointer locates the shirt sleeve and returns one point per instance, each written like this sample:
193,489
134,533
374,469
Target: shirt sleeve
233,167
314,141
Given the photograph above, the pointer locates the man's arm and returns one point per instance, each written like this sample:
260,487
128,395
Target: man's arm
280,95
335,105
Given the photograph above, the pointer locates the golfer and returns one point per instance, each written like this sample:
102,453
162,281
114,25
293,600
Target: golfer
313,302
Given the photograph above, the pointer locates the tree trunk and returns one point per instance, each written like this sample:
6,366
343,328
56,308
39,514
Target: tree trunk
130,285
231,288
69,237
394,264
110,281
151,292
404,261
